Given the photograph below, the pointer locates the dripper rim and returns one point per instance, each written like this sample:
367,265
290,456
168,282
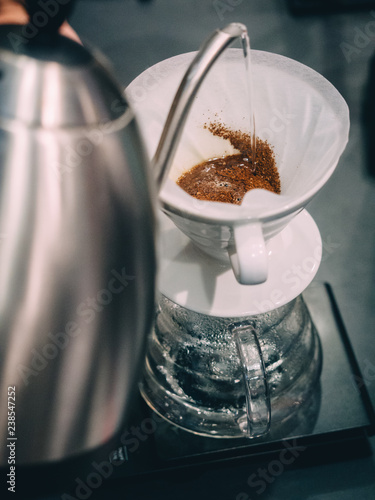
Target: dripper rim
292,204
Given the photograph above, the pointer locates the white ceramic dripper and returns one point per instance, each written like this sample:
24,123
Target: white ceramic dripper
301,115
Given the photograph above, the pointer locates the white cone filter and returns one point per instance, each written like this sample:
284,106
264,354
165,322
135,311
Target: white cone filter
300,114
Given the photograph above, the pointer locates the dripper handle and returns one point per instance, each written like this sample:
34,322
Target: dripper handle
258,406
248,254
201,64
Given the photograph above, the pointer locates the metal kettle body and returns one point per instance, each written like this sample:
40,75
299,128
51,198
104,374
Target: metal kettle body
77,261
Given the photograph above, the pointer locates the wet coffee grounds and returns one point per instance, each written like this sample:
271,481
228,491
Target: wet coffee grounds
229,178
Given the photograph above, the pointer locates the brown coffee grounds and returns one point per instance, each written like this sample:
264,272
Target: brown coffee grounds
229,178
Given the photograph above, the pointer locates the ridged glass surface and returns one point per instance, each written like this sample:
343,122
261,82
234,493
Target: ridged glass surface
193,374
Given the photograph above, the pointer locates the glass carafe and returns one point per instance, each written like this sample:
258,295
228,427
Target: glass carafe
231,377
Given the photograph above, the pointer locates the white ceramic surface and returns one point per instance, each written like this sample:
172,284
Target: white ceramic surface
298,111
192,279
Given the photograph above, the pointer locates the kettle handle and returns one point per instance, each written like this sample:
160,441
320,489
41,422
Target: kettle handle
258,406
55,17
201,64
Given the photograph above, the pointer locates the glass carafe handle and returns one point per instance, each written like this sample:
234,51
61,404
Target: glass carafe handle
258,405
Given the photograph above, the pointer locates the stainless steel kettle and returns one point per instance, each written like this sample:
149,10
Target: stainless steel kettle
77,259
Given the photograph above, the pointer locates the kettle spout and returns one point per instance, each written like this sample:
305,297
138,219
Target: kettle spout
194,76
